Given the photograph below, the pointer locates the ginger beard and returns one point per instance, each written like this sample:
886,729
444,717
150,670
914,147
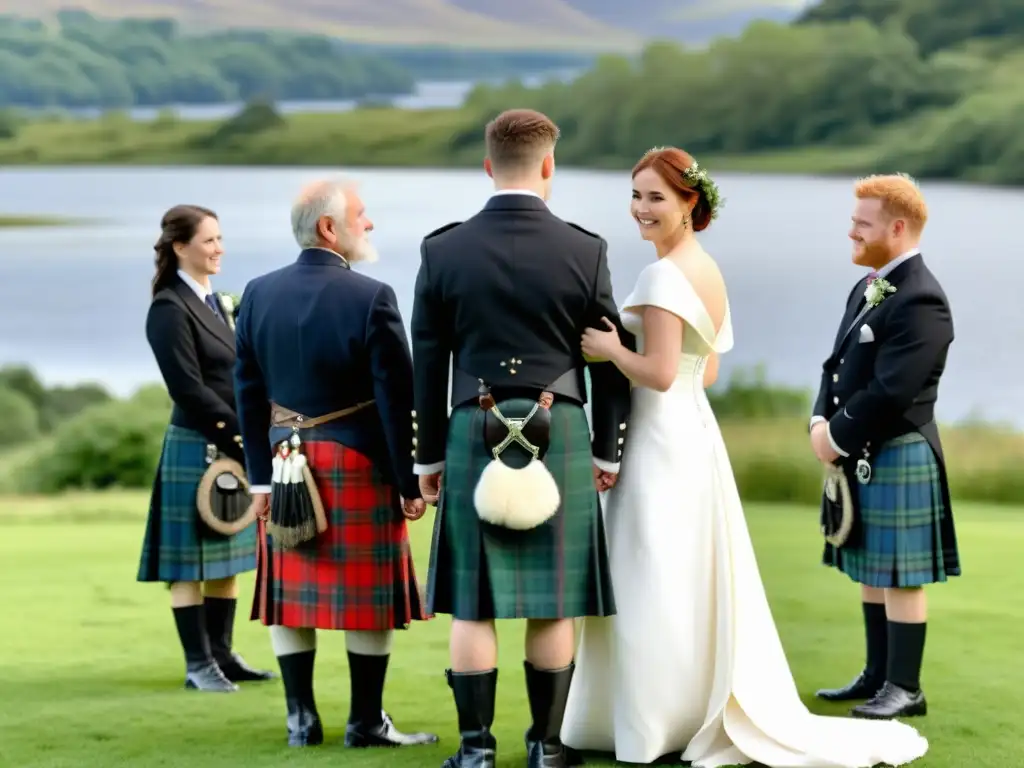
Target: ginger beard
873,254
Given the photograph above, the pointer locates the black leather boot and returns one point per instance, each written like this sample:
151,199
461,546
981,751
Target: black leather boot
201,671
548,690
474,694
368,724
220,625
304,726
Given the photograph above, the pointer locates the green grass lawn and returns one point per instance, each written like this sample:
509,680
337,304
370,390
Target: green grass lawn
91,671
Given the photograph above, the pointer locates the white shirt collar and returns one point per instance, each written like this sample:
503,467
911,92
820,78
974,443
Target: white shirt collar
517,192
201,291
897,261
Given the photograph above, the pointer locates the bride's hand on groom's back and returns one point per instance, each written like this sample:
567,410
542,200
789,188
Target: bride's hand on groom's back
601,345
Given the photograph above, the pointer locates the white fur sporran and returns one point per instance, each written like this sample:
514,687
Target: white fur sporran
519,499
516,498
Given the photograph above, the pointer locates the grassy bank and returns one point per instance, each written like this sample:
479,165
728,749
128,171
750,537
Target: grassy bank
372,137
92,669
35,221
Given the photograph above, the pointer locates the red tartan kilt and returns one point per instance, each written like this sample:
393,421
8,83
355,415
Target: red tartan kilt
357,574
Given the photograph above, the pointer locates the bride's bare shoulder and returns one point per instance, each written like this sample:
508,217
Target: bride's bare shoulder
702,272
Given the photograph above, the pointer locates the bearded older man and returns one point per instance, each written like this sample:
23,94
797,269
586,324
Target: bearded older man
323,362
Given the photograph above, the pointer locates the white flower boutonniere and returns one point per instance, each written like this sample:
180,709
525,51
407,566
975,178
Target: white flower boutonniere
877,290
229,303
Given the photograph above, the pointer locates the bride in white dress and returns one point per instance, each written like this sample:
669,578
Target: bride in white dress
692,664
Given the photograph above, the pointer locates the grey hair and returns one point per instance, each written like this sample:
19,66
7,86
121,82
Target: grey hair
323,198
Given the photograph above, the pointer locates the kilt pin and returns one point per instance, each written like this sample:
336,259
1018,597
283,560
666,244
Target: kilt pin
358,574
557,570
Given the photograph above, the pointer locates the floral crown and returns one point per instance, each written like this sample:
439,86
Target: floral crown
699,179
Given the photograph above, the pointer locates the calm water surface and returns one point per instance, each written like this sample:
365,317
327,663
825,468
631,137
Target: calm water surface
73,300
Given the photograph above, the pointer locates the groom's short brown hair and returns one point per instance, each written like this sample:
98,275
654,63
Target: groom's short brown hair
519,137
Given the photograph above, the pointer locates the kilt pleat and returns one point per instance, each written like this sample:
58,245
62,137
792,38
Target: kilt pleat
557,570
902,515
358,574
177,546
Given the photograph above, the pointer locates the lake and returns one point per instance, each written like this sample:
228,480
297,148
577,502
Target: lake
73,300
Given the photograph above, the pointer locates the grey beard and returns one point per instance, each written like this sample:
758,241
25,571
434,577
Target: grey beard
362,251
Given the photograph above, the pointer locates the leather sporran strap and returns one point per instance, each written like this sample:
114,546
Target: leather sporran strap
286,417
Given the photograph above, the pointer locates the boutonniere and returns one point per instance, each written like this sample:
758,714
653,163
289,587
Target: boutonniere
877,290
229,303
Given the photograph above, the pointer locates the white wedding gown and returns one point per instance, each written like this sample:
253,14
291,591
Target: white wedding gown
692,663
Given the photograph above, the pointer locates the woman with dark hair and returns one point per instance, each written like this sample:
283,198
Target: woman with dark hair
692,664
191,332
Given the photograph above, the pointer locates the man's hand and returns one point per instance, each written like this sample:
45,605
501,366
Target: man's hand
413,509
604,480
430,487
821,444
260,505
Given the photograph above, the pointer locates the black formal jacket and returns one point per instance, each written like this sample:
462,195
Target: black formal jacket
317,337
505,297
195,351
873,391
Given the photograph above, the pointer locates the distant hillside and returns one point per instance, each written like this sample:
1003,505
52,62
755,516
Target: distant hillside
691,21
582,25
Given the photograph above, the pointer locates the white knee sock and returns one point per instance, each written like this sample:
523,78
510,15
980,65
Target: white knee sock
367,643
287,640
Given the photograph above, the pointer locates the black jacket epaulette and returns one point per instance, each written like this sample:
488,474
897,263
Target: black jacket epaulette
440,230
584,231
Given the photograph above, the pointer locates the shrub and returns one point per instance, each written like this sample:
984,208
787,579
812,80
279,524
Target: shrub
748,395
21,418
109,445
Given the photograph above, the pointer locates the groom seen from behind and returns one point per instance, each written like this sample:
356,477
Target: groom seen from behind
875,417
508,294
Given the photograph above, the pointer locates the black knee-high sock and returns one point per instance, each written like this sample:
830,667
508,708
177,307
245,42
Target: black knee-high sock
906,652
220,624
191,623
876,637
366,680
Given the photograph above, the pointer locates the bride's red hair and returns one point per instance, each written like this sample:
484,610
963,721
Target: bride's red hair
670,163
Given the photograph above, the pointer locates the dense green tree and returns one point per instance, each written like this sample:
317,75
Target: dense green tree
90,62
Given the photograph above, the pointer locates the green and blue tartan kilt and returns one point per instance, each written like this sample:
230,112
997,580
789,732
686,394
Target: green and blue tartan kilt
557,570
178,546
902,515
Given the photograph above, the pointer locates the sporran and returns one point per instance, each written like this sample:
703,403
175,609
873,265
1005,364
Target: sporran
516,490
296,509
223,497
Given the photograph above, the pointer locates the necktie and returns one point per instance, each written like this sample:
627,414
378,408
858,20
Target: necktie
211,302
871,276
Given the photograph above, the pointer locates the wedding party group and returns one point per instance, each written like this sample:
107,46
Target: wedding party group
309,430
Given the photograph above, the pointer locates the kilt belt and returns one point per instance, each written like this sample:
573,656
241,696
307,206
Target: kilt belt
297,512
